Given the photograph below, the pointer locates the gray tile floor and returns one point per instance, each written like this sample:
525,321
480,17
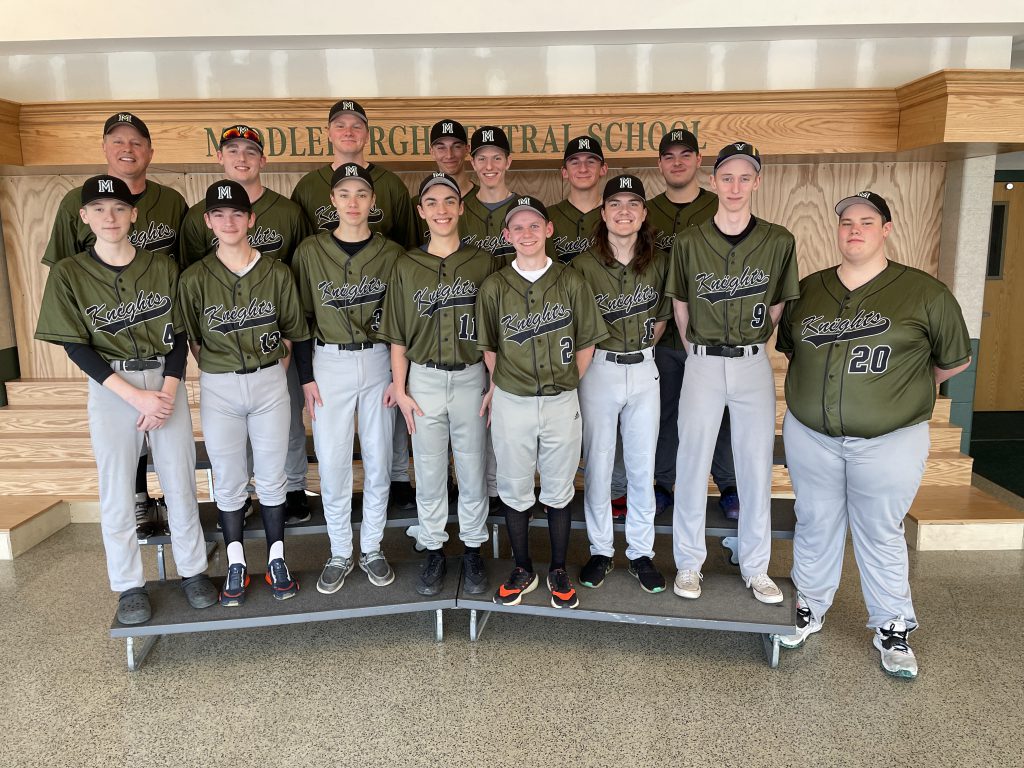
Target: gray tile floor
532,692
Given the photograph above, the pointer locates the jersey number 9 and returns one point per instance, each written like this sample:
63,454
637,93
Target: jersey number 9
760,313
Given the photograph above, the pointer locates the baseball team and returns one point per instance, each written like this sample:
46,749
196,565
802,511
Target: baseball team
507,339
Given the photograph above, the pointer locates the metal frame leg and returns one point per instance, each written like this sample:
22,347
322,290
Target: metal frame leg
477,623
439,625
494,539
137,655
771,649
161,564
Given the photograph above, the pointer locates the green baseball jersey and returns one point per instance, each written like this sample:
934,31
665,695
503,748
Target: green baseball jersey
862,360
481,227
668,219
161,210
123,315
430,306
344,294
280,227
630,303
392,215
240,322
536,328
574,231
730,288
422,230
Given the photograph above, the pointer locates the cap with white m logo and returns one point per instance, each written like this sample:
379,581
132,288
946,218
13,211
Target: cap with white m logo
625,182
488,135
106,185
223,193
448,128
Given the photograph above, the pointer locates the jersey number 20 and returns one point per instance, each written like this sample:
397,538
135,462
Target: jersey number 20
874,359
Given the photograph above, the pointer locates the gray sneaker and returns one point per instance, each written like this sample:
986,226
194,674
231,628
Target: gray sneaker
333,575
199,591
133,606
377,569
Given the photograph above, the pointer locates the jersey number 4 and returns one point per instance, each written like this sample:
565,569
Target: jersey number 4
865,359
169,334
270,341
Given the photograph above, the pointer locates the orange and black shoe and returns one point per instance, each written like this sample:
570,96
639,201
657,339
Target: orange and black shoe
519,583
280,580
563,594
233,592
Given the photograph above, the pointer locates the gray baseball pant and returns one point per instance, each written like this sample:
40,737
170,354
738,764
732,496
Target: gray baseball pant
297,463
868,484
399,449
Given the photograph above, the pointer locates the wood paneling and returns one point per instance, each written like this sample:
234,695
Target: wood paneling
10,136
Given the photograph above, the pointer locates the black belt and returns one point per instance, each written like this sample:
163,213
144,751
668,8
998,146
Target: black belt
445,366
624,358
138,364
243,371
724,350
347,347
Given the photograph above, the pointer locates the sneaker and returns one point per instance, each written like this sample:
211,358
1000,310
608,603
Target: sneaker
474,575
806,625
519,583
145,519
282,585
296,508
650,578
332,577
891,641
199,591
163,527
729,502
687,584
592,574
764,589
563,594
403,497
619,508
662,500
246,513
435,566
233,591
133,606
376,568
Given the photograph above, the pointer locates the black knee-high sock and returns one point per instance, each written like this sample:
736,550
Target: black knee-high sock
559,522
273,522
231,525
518,525
140,475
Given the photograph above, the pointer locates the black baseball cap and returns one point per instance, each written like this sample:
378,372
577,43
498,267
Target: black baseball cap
347,107
448,129
526,203
678,137
437,177
126,118
351,171
489,136
240,133
866,197
106,188
583,145
740,149
227,194
624,183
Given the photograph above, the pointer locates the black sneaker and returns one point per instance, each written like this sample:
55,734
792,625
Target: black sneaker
296,508
163,527
474,575
650,578
233,591
403,496
435,566
563,594
519,583
145,519
593,573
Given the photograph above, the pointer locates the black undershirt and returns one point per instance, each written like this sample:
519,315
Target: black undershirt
735,240
352,248
680,206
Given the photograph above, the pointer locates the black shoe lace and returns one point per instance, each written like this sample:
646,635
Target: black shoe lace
894,641
235,577
474,564
279,572
643,565
433,566
560,579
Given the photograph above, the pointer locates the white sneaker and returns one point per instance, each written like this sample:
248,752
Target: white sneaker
764,589
687,584
891,641
806,625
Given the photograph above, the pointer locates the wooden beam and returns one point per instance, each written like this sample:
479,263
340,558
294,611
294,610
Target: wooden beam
10,137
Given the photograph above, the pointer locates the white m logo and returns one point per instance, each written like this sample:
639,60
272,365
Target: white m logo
124,118
625,183
223,193
346,105
584,143
351,170
488,135
438,175
524,201
106,185
677,135
447,128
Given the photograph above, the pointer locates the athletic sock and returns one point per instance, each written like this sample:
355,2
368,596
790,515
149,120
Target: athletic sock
235,553
559,523
231,523
518,525
472,550
276,551
273,523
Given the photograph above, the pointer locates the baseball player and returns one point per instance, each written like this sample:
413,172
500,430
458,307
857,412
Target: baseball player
627,277
538,324
112,308
449,145
439,379
867,341
343,275
576,217
392,216
128,150
729,279
280,227
242,314
684,203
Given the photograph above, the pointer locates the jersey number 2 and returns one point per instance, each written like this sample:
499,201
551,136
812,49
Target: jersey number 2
873,359
270,341
567,348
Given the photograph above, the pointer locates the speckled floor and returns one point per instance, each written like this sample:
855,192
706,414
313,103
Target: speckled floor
532,692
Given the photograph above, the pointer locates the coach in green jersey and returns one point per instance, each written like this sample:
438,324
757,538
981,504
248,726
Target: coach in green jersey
575,218
128,151
483,221
449,146
868,341
348,129
280,223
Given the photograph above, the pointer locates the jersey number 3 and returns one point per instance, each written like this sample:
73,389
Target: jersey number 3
874,359
270,341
